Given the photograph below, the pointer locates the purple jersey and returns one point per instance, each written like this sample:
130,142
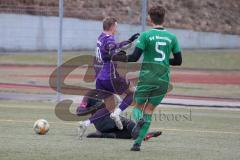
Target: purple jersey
106,45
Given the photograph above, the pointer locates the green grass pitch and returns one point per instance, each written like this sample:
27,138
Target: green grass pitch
208,134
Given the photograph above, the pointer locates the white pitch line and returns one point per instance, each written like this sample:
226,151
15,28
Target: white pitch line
162,129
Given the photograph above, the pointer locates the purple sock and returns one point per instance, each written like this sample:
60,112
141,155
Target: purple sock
126,101
99,114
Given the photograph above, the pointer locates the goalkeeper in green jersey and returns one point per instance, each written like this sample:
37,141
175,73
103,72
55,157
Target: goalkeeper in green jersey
156,45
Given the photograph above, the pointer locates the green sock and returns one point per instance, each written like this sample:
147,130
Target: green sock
144,129
137,114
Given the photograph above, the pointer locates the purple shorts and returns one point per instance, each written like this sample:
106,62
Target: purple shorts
116,86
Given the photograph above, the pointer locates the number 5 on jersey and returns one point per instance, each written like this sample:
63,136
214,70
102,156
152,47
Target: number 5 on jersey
158,50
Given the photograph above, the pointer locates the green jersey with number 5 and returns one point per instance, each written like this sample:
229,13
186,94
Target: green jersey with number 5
153,82
157,46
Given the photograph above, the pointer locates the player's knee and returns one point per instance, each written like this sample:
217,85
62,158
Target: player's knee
140,106
149,109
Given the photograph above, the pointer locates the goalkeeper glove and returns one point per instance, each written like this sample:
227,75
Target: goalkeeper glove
134,37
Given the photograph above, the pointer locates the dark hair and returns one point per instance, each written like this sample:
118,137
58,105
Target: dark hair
108,23
157,14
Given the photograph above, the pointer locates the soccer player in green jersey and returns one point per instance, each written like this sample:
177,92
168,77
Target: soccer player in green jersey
156,45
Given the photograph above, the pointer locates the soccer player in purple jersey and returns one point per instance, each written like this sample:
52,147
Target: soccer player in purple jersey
108,79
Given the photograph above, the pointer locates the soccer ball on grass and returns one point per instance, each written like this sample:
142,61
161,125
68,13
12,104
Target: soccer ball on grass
41,126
